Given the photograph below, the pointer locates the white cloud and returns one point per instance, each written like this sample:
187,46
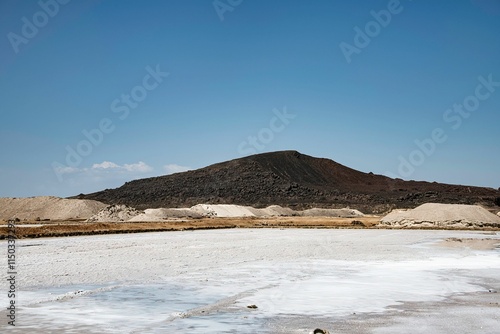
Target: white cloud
173,168
105,165
138,167
66,170
100,176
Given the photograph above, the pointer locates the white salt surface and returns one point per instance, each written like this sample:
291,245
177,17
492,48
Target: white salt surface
202,281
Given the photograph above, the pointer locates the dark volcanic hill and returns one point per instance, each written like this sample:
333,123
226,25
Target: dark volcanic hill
292,179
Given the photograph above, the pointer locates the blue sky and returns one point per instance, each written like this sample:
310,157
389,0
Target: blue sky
143,88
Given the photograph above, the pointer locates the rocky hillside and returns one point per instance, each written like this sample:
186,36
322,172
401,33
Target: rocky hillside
291,179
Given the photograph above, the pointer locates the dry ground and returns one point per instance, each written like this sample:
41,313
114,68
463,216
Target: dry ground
36,229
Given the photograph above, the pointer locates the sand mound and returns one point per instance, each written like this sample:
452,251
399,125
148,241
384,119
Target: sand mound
48,207
228,210
114,213
223,210
276,210
442,215
151,215
213,210
125,213
341,213
273,211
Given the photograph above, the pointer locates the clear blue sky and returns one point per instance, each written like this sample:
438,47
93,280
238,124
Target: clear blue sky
71,67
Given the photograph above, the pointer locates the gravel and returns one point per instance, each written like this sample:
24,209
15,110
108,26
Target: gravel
114,213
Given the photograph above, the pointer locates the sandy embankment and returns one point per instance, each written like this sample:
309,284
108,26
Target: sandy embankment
62,217
48,207
125,213
442,216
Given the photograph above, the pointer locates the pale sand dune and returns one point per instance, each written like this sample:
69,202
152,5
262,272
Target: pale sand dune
48,207
442,215
214,210
161,214
223,210
345,213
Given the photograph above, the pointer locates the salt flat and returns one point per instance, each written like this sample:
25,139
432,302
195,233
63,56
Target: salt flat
346,281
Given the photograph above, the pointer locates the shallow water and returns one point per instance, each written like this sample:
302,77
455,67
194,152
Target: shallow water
151,308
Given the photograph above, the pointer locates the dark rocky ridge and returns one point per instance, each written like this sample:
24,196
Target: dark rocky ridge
292,179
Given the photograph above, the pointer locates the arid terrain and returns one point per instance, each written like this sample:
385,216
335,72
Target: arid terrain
277,190
86,217
321,246
36,229
273,243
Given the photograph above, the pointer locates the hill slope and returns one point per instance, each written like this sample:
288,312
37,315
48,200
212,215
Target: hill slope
288,178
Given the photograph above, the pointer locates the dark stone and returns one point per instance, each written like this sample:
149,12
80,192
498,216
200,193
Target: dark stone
320,331
290,179
357,223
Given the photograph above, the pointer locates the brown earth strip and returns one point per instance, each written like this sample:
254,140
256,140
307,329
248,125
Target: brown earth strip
67,228
72,228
